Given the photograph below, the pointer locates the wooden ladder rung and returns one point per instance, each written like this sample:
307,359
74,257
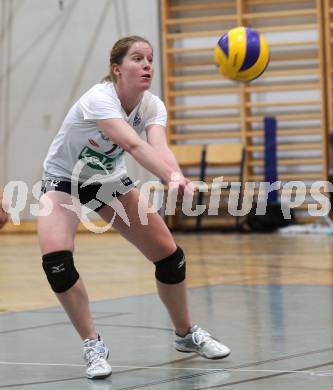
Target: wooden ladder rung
202,6
201,77
290,27
218,33
226,177
205,121
202,63
299,161
288,147
185,50
195,107
309,55
195,34
205,135
254,2
300,191
280,14
283,87
201,20
291,132
291,176
286,117
283,103
205,91
268,73
294,43
291,72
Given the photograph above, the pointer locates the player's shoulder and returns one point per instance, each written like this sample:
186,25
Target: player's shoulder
101,89
149,99
102,92
150,96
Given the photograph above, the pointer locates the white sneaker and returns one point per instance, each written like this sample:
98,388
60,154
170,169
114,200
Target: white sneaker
201,342
95,353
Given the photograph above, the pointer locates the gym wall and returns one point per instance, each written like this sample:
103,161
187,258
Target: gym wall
51,52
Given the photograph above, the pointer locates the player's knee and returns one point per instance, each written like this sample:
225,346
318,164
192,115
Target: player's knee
172,269
60,270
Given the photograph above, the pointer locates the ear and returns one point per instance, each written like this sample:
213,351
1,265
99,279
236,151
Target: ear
116,70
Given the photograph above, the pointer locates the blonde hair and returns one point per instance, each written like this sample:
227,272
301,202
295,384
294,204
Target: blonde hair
119,51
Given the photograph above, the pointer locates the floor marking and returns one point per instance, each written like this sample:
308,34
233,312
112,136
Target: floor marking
307,372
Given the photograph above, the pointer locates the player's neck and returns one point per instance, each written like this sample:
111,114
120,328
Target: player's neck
128,99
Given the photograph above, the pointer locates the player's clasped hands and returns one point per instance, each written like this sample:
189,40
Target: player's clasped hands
182,186
3,214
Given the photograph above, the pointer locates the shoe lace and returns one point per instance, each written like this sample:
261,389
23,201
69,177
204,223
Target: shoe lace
92,356
200,337
93,353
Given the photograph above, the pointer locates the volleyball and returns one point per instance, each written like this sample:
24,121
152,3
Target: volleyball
242,54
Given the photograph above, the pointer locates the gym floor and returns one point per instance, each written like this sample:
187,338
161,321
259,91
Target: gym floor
268,297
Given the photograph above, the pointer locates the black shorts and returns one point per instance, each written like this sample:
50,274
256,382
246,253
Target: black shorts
94,196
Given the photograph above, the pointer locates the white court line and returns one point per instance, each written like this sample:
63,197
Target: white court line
316,373
40,364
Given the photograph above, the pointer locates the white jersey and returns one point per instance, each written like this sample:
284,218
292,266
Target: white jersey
79,137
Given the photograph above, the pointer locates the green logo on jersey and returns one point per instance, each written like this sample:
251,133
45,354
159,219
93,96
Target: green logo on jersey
96,160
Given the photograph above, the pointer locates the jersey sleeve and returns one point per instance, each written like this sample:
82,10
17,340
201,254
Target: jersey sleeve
97,105
157,113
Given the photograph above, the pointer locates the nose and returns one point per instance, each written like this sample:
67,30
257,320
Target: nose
146,64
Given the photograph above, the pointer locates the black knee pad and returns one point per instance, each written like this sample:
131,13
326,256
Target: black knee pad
60,270
172,269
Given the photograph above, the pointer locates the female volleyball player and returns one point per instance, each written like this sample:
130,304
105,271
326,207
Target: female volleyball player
102,124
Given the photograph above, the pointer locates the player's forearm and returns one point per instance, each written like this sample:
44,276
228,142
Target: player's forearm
150,159
3,214
168,157
1,196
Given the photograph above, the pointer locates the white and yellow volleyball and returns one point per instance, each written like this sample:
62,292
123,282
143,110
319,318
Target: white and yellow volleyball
242,54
